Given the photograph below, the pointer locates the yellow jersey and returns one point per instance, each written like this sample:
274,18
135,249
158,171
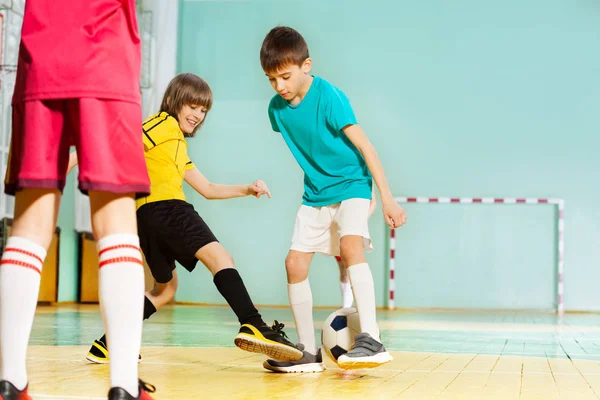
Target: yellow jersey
167,159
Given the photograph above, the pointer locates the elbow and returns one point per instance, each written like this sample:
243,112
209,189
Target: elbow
208,193
367,148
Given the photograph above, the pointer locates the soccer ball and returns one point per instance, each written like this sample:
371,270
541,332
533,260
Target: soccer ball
339,330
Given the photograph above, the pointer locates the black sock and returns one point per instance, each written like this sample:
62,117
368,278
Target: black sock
149,309
229,283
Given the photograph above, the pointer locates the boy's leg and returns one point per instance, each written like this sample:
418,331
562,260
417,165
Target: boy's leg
112,169
352,218
345,287
35,175
361,279
36,211
367,351
229,283
160,294
311,234
297,265
254,335
121,283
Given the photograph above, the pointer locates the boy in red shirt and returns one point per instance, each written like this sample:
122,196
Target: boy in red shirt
77,84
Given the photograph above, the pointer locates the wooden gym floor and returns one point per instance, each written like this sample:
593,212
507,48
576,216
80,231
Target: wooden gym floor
188,353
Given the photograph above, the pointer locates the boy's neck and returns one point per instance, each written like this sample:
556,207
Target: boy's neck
303,91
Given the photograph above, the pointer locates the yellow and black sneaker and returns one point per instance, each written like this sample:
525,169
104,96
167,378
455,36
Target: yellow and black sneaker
98,353
270,341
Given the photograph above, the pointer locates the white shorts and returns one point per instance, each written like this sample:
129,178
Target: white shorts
319,229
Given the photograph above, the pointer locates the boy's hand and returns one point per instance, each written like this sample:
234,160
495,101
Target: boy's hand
394,215
259,188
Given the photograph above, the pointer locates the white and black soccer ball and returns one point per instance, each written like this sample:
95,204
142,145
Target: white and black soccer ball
339,330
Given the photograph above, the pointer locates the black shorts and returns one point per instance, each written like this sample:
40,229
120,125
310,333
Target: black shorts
169,231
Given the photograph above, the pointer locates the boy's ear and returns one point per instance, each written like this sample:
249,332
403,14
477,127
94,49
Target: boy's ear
307,65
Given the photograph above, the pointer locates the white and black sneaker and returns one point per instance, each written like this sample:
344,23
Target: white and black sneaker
366,353
308,363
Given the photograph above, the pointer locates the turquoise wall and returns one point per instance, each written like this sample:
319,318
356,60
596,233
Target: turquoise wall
460,99
68,273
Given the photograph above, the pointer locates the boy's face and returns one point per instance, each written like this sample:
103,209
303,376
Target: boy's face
190,117
292,80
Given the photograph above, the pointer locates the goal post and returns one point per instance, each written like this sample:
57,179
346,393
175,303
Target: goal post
560,244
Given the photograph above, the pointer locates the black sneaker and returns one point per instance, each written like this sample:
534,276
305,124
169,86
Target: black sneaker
118,393
270,341
308,363
98,353
365,353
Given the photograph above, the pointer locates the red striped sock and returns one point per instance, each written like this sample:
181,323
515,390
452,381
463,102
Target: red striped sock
122,304
20,272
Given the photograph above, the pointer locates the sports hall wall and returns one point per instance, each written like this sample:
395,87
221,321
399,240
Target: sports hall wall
459,98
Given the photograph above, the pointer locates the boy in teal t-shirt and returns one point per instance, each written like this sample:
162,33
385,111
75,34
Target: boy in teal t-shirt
317,122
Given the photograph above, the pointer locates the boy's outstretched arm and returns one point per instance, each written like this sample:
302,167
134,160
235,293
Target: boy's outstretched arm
394,214
73,161
214,191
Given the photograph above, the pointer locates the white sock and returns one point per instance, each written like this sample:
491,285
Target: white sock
364,295
122,305
301,302
347,298
20,274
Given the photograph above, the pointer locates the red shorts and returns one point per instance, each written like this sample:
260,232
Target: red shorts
107,136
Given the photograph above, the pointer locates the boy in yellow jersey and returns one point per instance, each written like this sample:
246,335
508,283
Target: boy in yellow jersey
171,230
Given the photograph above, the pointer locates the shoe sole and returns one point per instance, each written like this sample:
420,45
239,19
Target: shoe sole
364,362
306,368
272,349
93,359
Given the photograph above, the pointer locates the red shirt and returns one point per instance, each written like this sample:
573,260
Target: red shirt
79,48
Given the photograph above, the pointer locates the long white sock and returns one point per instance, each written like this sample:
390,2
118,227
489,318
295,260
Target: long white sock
347,298
364,295
20,273
122,304
301,302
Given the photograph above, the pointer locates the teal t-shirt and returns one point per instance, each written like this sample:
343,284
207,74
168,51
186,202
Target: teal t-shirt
334,169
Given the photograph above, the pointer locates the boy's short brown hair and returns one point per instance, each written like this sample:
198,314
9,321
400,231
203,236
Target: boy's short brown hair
282,46
186,89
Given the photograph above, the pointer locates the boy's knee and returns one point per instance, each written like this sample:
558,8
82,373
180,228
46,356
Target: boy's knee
296,268
224,261
351,251
291,263
228,261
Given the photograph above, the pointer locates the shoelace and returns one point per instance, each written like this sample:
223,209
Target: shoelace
278,328
148,388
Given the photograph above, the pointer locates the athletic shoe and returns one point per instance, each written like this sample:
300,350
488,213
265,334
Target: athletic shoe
98,353
365,353
118,393
270,341
9,392
308,363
